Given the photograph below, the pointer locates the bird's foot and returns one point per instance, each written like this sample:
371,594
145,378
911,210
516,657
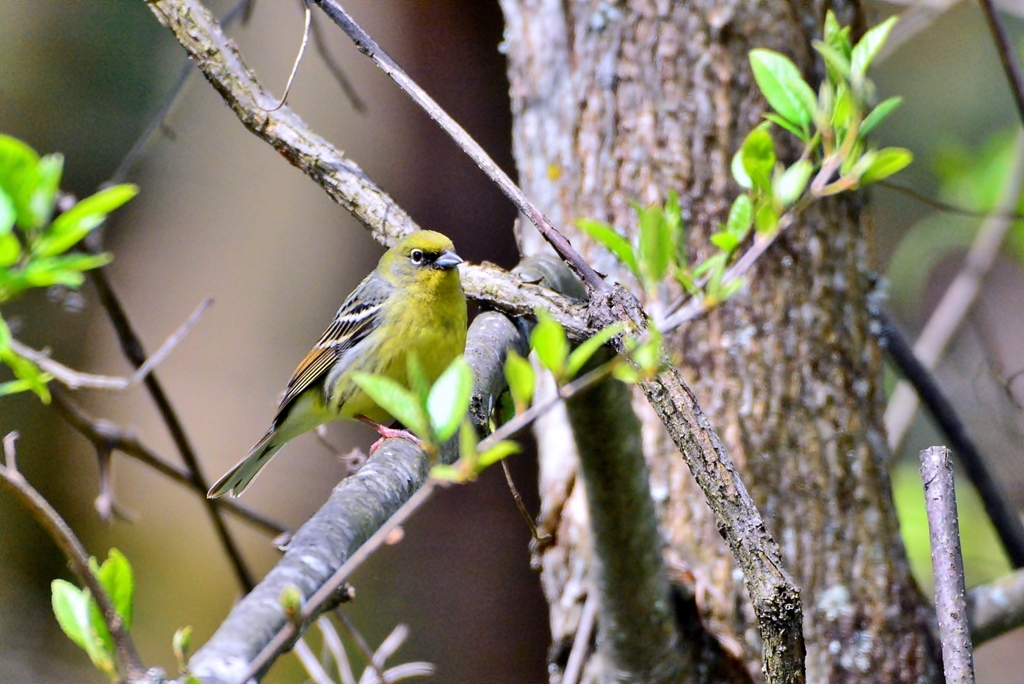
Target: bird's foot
386,433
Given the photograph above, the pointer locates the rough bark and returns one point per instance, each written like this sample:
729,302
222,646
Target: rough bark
626,101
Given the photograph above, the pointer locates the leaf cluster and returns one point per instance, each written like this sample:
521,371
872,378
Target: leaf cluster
35,246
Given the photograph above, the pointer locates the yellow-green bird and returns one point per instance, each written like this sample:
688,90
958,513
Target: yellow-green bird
412,304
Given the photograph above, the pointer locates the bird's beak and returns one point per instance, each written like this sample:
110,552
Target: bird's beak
448,259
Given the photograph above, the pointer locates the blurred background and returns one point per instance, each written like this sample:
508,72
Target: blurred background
221,215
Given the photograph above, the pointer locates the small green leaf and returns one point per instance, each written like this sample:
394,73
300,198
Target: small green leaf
624,372
549,341
766,219
656,246
449,399
47,182
835,35
878,114
71,607
14,387
8,214
685,279
18,164
10,249
117,578
499,451
887,161
396,400
447,473
612,241
417,377
792,128
836,61
739,173
75,223
867,48
741,215
647,356
783,86
44,273
844,107
104,642
589,347
181,644
291,600
758,158
725,242
792,182
709,265
521,381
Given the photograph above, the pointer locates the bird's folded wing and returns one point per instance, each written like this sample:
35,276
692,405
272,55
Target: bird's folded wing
356,319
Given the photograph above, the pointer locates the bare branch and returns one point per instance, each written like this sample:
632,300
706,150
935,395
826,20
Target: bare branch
1007,54
106,435
78,557
73,379
997,608
948,565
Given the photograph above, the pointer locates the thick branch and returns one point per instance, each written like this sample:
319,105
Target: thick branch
638,631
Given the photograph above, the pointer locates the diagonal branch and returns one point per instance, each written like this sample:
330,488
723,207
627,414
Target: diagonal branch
471,147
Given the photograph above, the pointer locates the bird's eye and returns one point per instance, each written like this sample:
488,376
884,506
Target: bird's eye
417,256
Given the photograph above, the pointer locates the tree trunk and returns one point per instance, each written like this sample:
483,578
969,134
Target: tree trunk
614,102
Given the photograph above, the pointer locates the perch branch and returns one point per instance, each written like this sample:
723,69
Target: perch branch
62,534
996,608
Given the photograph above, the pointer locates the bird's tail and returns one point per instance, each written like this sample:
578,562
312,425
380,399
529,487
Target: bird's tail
245,471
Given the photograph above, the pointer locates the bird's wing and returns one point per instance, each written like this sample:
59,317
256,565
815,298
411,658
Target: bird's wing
358,317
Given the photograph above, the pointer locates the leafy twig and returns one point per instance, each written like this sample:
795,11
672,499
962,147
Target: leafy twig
62,534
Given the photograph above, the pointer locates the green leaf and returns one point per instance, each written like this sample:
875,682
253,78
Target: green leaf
14,387
22,368
709,265
499,451
758,157
181,644
447,473
792,128
836,61
10,249
612,241
766,219
647,356
549,341
792,182
589,347
117,578
725,242
18,164
656,246
8,214
417,377
783,86
887,161
521,381
75,223
47,182
867,48
101,634
741,215
71,607
739,173
835,35
685,279
878,114
449,398
44,273
844,107
396,400
624,372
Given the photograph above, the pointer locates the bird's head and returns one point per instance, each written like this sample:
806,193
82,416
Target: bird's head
424,256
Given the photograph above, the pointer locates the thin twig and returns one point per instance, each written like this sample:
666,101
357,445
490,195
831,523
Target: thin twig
948,566
946,206
521,506
311,663
133,350
334,67
73,379
369,47
104,434
77,556
361,643
581,643
999,508
957,300
298,58
1007,54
